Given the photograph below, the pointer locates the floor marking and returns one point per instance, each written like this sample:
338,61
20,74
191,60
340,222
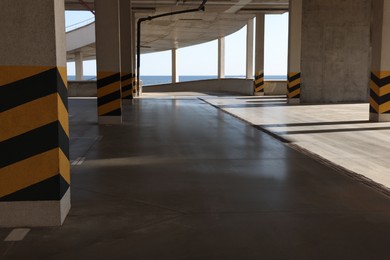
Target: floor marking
76,161
17,234
80,162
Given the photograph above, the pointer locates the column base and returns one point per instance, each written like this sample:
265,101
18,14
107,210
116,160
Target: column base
259,94
293,101
127,101
110,120
34,213
374,117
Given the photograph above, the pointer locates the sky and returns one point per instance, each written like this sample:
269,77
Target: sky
204,57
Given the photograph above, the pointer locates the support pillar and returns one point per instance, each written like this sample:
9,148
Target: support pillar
380,68
221,57
134,53
259,56
294,52
175,76
79,66
249,49
125,49
108,62
34,135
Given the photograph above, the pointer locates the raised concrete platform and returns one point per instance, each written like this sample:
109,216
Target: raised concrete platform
180,179
340,133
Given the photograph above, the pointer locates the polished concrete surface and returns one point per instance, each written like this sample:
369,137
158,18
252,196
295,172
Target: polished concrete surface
339,133
181,179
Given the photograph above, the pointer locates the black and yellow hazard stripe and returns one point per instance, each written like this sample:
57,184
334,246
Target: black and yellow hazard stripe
134,80
380,92
259,82
127,86
109,94
294,85
34,136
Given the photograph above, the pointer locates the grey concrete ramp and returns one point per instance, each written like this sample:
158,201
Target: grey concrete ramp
181,179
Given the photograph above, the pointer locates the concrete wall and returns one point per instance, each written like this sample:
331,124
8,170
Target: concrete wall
82,89
335,51
276,87
239,86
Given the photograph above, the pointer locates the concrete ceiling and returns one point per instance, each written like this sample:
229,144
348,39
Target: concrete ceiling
221,18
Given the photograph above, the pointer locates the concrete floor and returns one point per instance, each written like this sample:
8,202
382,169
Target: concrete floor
339,133
181,179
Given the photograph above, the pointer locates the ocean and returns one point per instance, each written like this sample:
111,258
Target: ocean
155,80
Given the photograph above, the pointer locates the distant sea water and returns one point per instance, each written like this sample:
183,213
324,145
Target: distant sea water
155,80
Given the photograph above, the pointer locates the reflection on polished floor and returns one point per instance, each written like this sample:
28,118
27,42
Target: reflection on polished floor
180,179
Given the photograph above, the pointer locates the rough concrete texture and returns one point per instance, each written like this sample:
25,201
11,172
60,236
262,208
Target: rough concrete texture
28,35
82,88
125,19
107,36
275,87
88,88
295,36
239,86
335,51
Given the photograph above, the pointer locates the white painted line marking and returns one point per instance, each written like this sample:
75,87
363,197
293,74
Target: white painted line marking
80,162
17,234
75,162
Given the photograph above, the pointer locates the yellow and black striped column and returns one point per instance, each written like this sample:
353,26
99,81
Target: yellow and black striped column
34,127
259,83
380,94
108,61
259,86
380,66
109,95
134,53
294,86
126,61
127,86
34,141
134,84
294,52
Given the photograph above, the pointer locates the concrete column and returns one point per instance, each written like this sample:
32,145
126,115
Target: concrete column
249,49
79,66
34,135
221,57
175,76
336,51
125,49
134,52
294,52
380,67
259,55
108,62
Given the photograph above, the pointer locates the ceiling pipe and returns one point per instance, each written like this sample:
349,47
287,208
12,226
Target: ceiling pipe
150,18
86,6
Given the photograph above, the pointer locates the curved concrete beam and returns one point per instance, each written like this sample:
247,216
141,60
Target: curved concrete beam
81,40
80,37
